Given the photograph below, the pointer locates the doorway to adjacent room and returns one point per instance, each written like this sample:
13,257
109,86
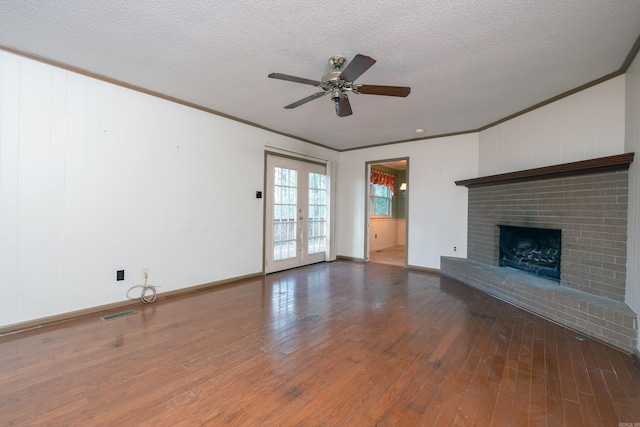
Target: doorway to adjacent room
387,201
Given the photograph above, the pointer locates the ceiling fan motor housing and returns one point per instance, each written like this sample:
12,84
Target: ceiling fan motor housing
331,82
331,76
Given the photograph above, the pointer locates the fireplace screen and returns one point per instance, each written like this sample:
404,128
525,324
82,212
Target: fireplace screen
535,250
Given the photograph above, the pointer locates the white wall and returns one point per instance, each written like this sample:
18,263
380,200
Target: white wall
437,210
582,126
632,144
402,231
384,233
95,178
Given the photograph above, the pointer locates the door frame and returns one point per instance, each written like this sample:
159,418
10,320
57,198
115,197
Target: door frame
367,207
320,162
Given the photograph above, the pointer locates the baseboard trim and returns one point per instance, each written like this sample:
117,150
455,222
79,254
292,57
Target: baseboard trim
100,309
348,258
423,269
204,286
62,317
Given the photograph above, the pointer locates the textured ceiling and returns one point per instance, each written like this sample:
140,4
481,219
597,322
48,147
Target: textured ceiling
469,63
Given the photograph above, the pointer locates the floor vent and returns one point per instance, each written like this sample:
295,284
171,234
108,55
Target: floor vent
118,315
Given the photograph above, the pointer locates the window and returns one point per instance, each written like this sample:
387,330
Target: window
381,197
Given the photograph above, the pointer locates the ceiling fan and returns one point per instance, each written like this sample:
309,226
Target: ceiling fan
338,82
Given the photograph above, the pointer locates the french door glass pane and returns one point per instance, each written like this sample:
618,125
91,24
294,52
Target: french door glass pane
317,213
284,213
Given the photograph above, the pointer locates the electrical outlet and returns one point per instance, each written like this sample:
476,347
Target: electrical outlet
455,249
144,273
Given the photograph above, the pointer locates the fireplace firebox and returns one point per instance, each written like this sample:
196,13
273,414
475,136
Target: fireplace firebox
534,250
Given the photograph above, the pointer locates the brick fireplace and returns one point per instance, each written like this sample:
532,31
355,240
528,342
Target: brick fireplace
587,202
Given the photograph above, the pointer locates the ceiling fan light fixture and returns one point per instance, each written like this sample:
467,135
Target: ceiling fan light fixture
338,82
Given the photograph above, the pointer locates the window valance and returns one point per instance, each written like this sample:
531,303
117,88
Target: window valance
384,178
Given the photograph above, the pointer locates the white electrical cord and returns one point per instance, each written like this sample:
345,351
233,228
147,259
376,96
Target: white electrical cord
147,294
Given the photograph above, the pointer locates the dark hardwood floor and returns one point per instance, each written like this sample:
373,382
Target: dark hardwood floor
337,344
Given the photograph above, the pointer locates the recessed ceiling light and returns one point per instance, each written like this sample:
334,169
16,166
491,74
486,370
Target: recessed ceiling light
418,131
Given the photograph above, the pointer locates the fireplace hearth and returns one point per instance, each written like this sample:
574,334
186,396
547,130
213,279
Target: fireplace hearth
534,250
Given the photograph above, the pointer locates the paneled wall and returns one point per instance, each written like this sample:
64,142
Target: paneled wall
582,126
632,144
96,178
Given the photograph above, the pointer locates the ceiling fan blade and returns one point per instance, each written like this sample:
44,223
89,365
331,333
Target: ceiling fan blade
343,107
295,79
384,90
305,100
358,65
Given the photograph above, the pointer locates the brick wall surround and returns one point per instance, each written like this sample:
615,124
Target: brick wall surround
591,211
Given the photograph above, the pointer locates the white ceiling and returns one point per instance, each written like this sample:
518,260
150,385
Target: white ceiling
469,63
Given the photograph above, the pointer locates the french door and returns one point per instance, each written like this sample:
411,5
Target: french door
296,213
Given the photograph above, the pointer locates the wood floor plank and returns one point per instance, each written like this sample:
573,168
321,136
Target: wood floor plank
590,413
525,361
521,407
538,396
602,395
468,408
572,413
625,370
565,368
339,343
504,415
555,407
486,397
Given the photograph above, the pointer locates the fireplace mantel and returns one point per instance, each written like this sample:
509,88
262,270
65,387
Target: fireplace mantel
583,167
